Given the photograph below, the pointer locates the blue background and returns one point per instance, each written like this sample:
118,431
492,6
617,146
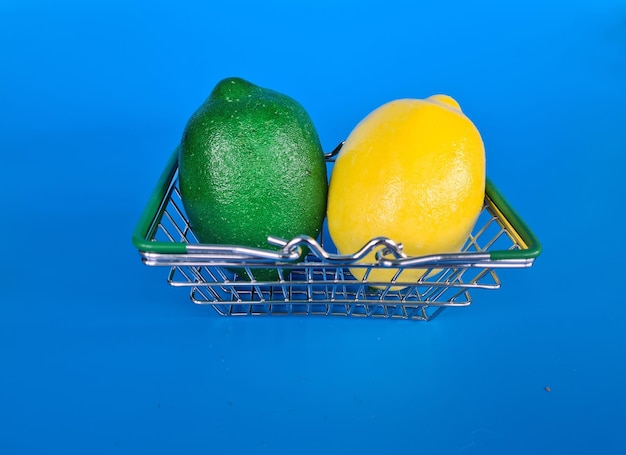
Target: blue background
98,355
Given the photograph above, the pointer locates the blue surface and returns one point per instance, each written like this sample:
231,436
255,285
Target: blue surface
100,356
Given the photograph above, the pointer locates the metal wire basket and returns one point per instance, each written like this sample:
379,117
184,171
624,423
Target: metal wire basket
322,284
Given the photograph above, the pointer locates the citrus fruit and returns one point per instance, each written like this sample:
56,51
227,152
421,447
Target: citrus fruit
251,165
413,170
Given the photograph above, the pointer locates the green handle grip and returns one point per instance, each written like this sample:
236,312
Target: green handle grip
141,233
530,243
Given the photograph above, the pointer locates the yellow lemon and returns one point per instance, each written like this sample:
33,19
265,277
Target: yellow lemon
413,170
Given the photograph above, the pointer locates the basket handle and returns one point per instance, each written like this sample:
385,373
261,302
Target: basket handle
389,247
390,254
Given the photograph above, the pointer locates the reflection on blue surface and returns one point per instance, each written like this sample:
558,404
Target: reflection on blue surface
100,355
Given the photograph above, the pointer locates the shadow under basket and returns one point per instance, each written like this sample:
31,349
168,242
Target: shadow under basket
322,284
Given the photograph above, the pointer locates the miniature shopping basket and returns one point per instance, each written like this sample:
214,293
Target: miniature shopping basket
228,277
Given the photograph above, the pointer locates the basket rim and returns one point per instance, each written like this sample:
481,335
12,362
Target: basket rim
529,250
